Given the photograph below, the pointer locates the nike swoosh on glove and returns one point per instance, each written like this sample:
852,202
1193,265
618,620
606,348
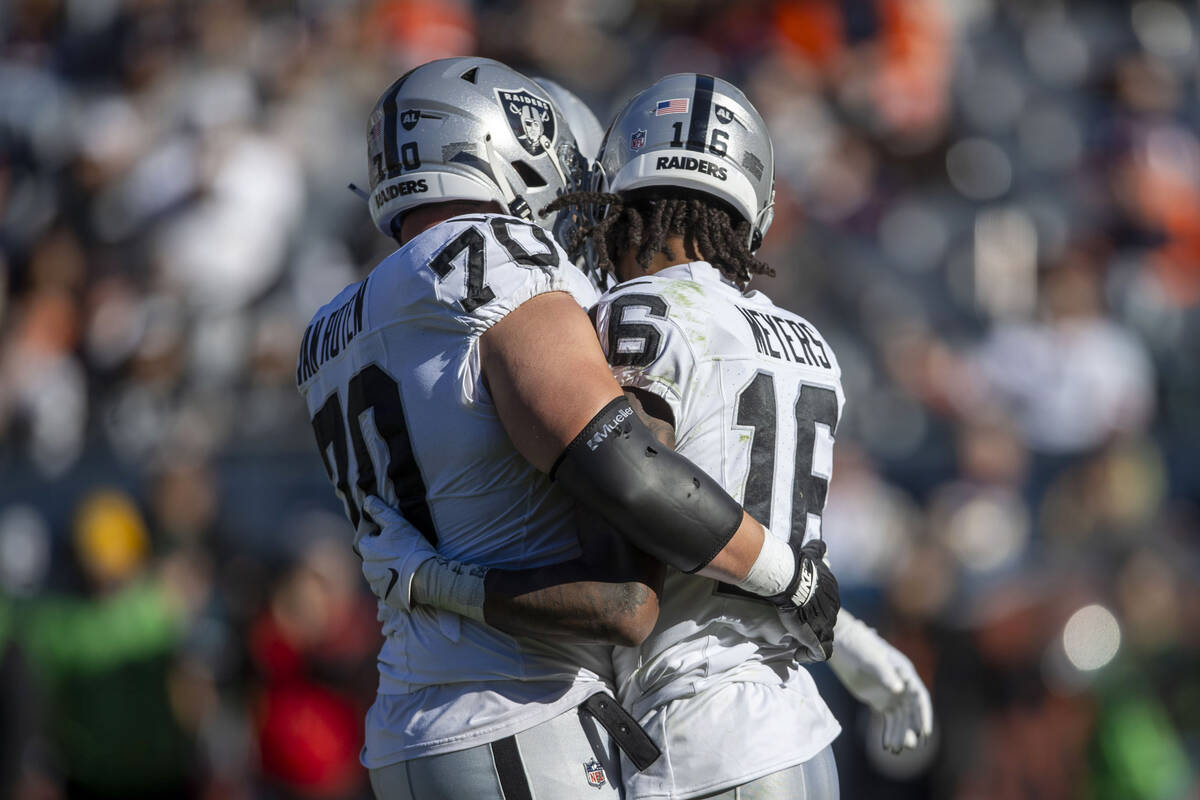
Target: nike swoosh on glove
883,678
392,550
809,606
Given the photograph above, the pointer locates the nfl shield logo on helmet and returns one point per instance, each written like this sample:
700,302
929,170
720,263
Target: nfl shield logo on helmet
531,119
595,773
676,105
638,139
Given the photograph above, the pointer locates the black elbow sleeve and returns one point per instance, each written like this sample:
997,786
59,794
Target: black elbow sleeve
663,503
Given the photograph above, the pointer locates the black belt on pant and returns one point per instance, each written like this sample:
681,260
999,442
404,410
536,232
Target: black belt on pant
623,728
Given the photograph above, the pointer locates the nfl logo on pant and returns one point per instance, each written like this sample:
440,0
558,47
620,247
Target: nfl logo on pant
595,773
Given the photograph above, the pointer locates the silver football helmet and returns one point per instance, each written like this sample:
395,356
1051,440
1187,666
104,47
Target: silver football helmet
467,129
695,132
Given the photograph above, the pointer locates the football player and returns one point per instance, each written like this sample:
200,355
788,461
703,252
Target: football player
451,382
751,393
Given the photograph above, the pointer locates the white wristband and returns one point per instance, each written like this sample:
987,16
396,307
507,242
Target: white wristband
450,585
773,570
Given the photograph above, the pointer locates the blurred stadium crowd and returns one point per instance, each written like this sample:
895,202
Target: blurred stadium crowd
992,209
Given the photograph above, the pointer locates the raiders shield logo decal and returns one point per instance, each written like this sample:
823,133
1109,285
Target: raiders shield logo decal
595,773
531,120
409,118
724,115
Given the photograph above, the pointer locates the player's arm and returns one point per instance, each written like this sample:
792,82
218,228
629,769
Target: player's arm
608,594
881,676
565,413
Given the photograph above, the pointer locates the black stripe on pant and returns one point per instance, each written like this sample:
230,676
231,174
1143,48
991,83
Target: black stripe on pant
514,785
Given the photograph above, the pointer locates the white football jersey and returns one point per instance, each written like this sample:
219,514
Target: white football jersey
756,394
390,371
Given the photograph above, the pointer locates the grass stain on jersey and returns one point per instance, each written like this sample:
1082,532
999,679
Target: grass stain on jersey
685,293
688,296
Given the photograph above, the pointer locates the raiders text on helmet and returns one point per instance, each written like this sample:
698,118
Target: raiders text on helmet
696,132
467,129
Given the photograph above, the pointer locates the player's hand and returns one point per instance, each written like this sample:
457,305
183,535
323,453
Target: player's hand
809,606
883,678
391,550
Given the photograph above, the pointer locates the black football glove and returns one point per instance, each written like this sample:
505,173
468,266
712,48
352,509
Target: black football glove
809,606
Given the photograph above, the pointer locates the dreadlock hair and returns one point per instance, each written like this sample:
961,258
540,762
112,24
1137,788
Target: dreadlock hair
644,219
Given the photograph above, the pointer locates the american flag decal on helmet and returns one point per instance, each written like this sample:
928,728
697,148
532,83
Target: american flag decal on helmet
678,105
595,773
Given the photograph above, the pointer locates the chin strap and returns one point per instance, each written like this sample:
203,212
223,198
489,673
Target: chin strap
516,205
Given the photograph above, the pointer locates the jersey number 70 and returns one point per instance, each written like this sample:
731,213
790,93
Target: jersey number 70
372,389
